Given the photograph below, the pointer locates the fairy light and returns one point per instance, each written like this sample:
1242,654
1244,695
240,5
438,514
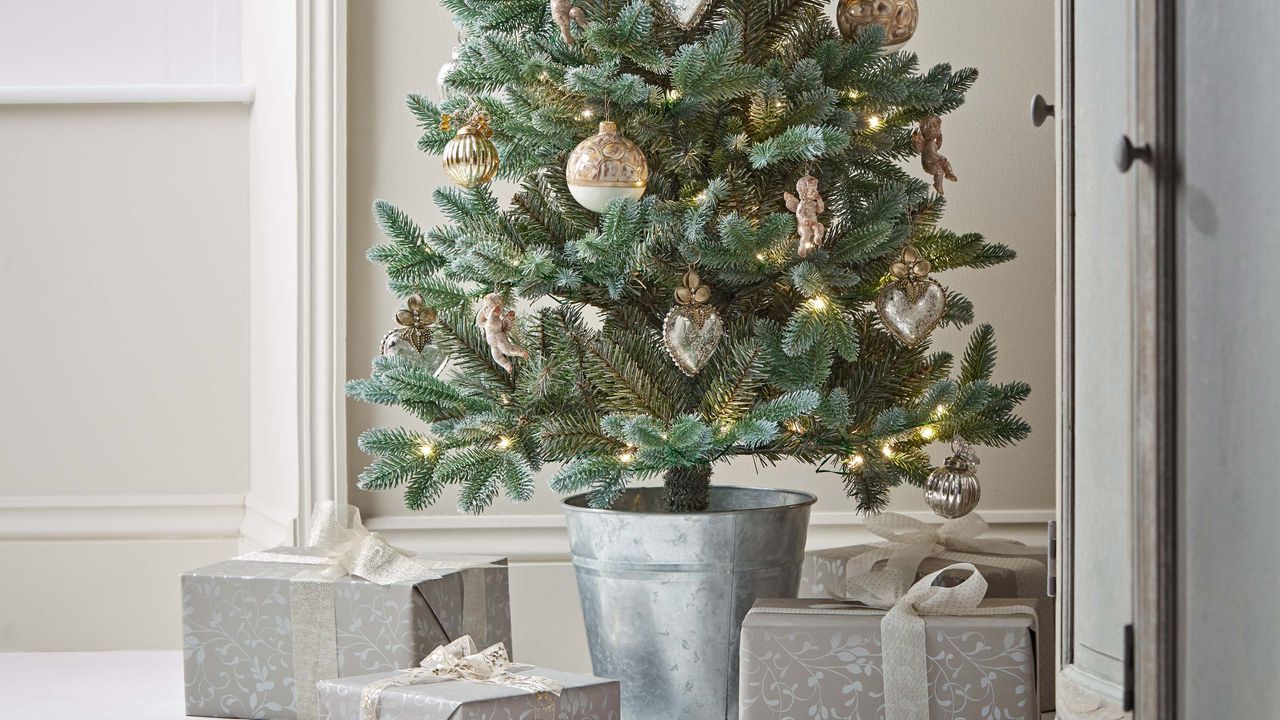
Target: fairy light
817,303
855,461
587,113
627,458
760,256
874,122
940,410
853,94
427,449
504,442
928,432
778,103
887,450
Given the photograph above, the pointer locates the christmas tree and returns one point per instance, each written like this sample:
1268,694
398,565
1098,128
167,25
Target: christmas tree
692,319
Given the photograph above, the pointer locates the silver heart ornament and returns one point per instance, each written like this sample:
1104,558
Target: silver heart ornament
911,309
690,334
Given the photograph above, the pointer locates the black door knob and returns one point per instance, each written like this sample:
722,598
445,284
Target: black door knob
1128,153
1041,110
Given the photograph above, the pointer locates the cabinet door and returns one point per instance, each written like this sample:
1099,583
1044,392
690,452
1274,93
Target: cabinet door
1100,354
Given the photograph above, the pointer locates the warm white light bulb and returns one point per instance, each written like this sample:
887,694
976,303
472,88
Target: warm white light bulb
626,458
855,461
427,450
587,113
504,442
760,257
817,302
928,432
940,410
874,121
886,450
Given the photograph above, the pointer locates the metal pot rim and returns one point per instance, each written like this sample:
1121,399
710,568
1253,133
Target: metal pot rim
804,499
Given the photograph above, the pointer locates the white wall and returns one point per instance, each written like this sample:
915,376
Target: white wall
1005,191
124,365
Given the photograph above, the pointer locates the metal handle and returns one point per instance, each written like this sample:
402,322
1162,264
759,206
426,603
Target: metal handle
1041,110
1128,153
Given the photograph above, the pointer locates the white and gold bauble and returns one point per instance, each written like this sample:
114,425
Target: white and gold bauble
412,340
604,167
913,304
899,19
692,329
471,158
445,92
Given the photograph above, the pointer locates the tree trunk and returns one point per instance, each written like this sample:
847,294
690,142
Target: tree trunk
688,489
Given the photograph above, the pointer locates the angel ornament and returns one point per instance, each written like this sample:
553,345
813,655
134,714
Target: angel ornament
564,13
807,207
497,322
927,140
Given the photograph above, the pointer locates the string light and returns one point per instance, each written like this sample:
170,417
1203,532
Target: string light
627,458
701,197
855,461
887,450
427,449
874,122
504,442
778,103
818,303
928,432
940,410
587,113
760,256
853,94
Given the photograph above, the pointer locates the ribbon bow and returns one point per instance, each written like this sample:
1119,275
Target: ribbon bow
349,548
910,541
459,661
902,638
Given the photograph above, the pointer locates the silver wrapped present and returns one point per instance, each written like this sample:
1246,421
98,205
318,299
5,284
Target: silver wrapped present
879,573
455,682
260,630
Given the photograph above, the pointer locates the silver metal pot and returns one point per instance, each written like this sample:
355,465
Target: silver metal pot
664,594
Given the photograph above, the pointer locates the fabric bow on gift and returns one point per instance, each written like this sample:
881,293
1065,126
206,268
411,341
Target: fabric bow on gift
902,637
351,549
459,661
910,541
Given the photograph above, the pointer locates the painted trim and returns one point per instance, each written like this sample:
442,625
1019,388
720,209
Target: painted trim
322,213
238,93
262,528
542,538
121,517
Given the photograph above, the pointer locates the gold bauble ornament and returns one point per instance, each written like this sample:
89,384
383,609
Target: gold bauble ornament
471,158
604,167
898,18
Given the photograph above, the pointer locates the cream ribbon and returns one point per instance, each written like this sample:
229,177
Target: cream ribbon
910,541
459,661
904,660
348,548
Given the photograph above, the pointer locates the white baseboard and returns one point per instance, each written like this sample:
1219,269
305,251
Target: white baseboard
120,517
542,538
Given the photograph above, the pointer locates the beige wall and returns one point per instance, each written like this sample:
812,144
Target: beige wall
1005,191
124,365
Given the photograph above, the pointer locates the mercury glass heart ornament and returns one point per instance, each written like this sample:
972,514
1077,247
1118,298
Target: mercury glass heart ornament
431,356
686,12
690,334
910,309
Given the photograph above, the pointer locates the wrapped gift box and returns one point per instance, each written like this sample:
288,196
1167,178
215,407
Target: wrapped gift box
582,698
1022,576
822,659
258,634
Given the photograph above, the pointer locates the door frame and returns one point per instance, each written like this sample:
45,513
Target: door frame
1151,691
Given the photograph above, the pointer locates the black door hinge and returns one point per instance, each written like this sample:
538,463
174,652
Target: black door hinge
1128,667
1052,569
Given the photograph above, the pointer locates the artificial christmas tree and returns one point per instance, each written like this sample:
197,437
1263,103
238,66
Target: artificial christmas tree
690,321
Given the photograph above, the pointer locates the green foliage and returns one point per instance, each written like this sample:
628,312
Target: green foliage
729,114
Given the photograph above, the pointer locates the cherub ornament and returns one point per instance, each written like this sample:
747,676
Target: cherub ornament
564,13
807,207
497,322
927,140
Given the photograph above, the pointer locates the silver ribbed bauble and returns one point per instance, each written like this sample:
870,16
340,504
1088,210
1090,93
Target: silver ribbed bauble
952,491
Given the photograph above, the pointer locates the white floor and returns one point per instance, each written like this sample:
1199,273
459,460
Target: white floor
95,686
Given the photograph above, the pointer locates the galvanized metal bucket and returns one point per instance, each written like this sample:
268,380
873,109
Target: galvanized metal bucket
664,594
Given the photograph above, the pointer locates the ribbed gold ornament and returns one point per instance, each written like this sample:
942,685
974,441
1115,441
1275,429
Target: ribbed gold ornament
471,158
898,18
606,166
